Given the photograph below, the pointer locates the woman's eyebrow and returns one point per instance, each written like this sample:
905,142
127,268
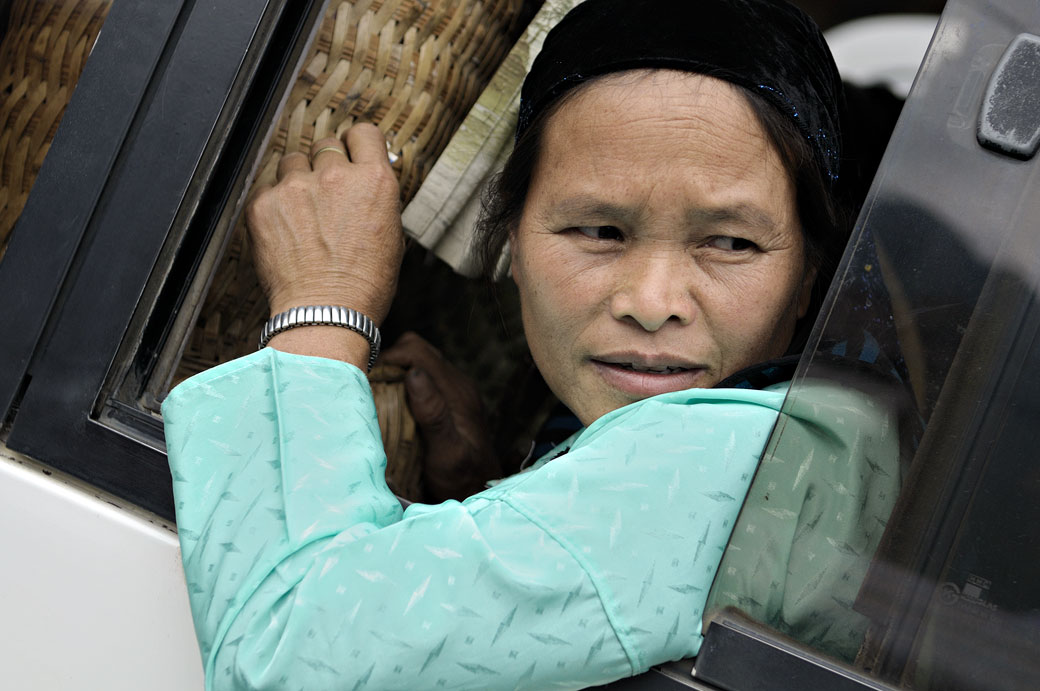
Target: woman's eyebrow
747,215
591,207
596,209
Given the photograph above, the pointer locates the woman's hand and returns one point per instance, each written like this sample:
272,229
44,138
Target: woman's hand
460,457
329,233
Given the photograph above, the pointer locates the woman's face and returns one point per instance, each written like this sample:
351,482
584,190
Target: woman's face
659,247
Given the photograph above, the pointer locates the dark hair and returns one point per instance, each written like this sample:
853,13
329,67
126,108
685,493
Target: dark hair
824,222
503,199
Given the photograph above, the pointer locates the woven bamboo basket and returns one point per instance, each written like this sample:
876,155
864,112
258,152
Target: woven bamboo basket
397,426
412,67
41,58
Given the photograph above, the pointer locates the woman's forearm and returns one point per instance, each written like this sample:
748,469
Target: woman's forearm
257,461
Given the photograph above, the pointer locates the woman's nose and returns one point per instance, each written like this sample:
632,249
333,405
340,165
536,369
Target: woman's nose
653,291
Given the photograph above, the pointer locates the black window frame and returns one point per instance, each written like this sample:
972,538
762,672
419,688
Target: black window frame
140,168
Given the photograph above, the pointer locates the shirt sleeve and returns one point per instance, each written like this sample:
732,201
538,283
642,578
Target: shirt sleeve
303,572
813,518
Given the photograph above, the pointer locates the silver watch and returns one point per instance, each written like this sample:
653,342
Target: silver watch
315,315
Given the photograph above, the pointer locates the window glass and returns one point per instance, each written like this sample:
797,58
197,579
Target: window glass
892,523
112,292
42,54
416,70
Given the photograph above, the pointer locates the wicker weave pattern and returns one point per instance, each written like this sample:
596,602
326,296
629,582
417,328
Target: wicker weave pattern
41,58
400,436
414,68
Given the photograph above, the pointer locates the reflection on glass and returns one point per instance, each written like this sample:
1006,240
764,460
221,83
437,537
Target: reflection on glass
893,522
42,55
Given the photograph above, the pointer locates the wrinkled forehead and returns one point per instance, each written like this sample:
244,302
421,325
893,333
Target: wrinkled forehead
659,146
769,47
617,112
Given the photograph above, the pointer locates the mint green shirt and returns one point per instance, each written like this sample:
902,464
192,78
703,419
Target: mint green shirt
304,573
813,518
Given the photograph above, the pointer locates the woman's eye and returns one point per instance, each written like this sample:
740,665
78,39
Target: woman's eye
600,232
731,244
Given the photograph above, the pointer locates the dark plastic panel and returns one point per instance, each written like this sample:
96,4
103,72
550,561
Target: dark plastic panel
148,142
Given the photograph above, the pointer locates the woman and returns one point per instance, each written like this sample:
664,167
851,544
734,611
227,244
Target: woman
667,229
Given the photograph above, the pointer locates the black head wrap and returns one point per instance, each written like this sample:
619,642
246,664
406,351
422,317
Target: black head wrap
766,46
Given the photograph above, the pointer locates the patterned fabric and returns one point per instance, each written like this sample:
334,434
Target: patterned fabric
303,572
813,518
802,544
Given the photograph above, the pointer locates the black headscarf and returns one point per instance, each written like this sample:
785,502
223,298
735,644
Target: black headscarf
766,46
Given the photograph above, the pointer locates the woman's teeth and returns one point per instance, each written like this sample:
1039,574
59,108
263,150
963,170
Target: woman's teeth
652,370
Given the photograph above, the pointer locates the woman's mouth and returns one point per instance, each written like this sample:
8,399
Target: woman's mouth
642,377
651,370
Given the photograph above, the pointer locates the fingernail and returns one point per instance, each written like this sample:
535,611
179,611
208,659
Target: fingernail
418,383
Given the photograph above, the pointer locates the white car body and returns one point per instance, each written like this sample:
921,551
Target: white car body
93,592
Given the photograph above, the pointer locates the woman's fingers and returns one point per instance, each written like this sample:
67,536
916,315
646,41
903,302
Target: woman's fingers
366,144
412,350
329,232
294,162
328,152
362,143
429,407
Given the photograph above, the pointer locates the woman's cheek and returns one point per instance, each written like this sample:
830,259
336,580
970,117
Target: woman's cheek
559,270
576,278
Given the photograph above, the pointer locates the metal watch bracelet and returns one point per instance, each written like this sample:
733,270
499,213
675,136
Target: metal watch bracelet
324,315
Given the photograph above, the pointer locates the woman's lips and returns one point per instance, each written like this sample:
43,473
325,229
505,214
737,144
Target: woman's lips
643,381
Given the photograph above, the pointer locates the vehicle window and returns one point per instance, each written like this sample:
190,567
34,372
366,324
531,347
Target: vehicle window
417,83
415,75
43,49
133,271
891,524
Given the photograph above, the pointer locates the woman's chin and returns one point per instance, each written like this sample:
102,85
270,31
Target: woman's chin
638,385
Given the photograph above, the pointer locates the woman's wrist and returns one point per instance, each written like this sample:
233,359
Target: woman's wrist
372,309
319,340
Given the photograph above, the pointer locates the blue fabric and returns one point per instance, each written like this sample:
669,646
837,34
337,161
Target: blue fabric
303,571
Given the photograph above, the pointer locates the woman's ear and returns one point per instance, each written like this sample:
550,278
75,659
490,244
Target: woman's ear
806,290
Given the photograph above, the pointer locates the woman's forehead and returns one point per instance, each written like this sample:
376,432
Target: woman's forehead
683,140
770,48
688,113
